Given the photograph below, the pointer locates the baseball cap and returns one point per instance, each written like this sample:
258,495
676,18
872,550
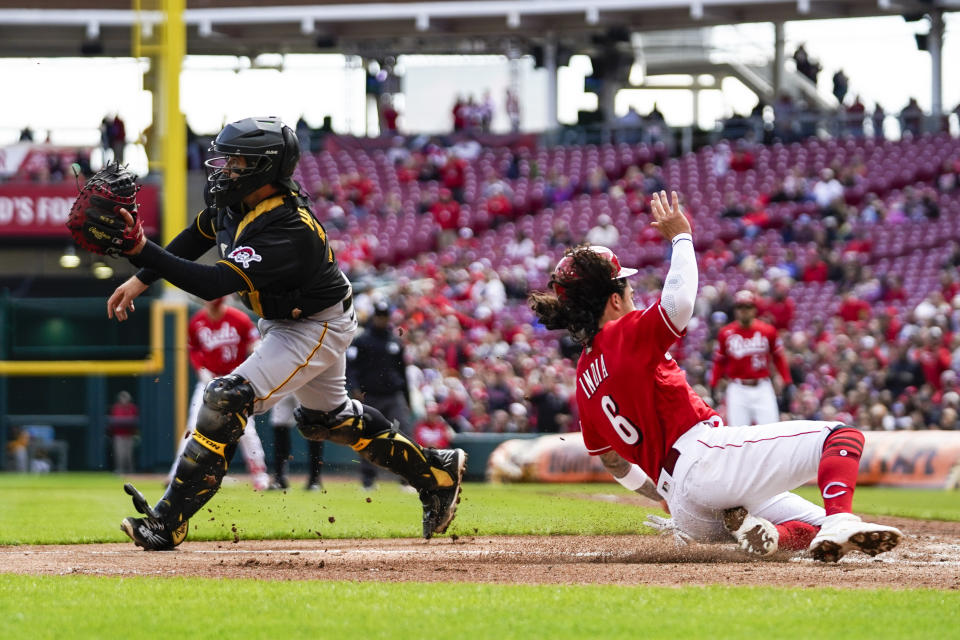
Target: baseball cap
381,309
565,269
744,298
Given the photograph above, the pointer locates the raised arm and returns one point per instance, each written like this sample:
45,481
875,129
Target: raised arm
680,288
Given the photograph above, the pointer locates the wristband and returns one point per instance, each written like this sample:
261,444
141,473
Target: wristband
634,479
681,236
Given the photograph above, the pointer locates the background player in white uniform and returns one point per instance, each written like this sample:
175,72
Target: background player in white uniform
747,350
219,338
639,414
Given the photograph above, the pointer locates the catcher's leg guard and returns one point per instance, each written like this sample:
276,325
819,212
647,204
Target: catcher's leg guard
227,402
366,431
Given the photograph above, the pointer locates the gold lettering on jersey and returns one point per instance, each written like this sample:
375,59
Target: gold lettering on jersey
593,376
311,222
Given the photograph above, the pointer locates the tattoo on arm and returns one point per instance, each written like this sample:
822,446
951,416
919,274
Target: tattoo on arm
615,464
649,490
618,468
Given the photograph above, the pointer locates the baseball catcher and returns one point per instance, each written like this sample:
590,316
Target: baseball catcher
276,255
103,218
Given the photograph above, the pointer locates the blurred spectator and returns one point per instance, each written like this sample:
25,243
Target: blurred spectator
877,119
911,118
106,144
446,213
853,118
805,64
780,309
123,424
302,130
388,116
827,189
453,176
17,449
841,84
26,135
499,205
551,404
903,372
485,112
118,138
852,309
604,233
432,430
513,110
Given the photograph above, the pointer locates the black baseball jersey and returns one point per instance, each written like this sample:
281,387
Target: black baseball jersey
276,256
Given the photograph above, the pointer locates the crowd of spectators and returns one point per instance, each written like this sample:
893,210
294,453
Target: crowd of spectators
479,361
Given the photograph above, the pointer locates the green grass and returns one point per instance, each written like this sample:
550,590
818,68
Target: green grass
87,508
80,508
57,607
906,503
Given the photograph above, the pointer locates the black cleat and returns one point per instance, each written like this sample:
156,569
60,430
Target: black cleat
440,504
314,484
152,534
139,502
279,483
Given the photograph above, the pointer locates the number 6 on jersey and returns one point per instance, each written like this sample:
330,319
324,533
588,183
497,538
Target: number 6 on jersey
627,431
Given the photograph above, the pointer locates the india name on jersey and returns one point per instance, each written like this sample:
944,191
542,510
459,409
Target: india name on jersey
632,396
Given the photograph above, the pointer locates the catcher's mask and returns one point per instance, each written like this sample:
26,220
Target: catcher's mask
270,150
566,270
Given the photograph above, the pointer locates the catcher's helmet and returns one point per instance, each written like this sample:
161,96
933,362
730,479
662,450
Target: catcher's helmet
566,272
271,151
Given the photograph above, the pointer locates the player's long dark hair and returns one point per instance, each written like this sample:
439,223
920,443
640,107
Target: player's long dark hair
584,296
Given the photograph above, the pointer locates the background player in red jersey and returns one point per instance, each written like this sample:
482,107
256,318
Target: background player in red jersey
746,348
219,338
638,414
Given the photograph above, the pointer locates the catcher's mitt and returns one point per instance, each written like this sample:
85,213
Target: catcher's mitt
95,221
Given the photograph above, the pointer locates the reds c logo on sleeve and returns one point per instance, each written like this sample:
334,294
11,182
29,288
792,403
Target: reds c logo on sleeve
244,256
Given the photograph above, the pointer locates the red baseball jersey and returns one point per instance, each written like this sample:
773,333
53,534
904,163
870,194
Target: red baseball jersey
744,353
219,346
632,395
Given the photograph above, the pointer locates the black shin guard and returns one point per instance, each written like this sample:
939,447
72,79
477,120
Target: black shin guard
372,436
220,423
196,479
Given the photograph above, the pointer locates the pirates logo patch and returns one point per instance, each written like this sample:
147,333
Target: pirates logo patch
244,256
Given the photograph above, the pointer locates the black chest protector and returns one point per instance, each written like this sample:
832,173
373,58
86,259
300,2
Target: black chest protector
284,256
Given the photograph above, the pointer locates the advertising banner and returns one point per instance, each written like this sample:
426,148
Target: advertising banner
41,210
922,459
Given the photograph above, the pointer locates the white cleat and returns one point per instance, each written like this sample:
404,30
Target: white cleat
754,535
260,481
842,533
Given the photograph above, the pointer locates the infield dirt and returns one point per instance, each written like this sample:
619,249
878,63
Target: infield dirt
929,557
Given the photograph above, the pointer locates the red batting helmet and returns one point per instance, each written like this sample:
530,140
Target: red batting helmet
565,271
